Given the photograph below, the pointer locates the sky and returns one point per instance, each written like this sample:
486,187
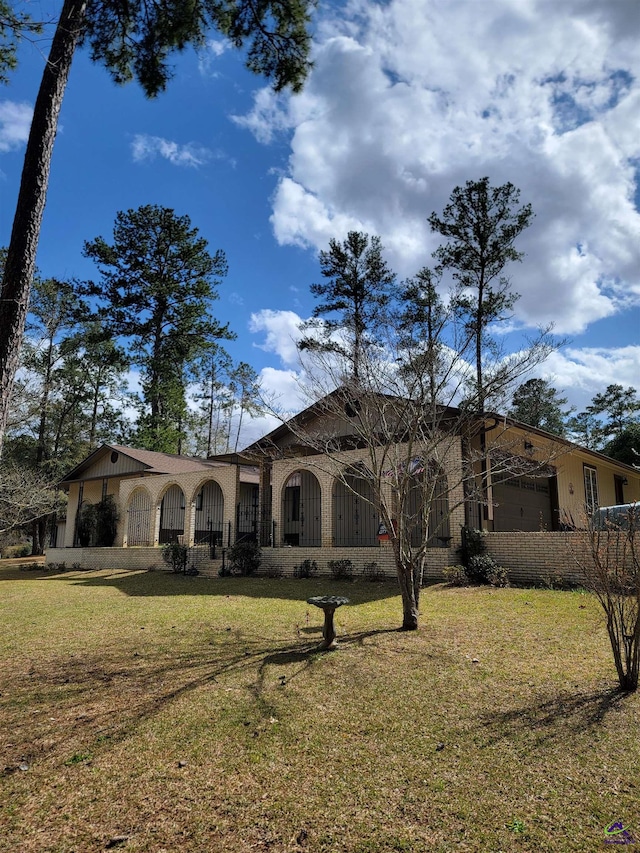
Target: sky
407,100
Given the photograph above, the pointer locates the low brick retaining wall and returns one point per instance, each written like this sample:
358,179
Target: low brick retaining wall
538,558
530,558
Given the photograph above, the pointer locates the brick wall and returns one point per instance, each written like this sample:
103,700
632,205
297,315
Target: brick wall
534,558
107,558
288,558
530,558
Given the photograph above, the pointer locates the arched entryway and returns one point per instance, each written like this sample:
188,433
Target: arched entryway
209,514
355,518
247,513
172,515
138,530
301,510
428,506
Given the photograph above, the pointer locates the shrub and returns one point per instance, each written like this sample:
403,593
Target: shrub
21,550
274,572
87,522
176,555
456,575
479,567
107,518
244,558
497,576
306,569
341,570
372,572
36,567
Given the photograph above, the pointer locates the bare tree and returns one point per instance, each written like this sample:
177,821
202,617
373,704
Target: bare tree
25,495
385,438
610,561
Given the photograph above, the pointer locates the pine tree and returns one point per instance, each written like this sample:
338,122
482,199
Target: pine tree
131,40
354,295
538,404
157,285
480,225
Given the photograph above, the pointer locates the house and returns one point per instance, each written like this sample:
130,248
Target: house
161,498
305,499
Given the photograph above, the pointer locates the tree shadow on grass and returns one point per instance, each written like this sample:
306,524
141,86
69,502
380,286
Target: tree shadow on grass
555,718
94,701
141,583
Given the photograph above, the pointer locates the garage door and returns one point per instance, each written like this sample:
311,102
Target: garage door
523,503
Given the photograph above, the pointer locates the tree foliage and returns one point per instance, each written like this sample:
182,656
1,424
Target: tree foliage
619,406
625,447
423,320
132,40
539,405
14,26
604,423
354,296
480,225
158,281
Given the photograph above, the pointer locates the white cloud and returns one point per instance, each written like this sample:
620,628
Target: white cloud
207,57
282,329
192,155
268,116
582,373
15,122
411,98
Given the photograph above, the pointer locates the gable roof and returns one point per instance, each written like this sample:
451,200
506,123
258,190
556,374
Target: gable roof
145,462
315,410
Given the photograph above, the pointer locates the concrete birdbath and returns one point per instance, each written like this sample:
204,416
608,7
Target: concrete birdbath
329,604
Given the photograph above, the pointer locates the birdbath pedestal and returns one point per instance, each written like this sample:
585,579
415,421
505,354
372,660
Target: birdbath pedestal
328,603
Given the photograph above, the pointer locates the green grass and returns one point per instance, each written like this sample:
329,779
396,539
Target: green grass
179,713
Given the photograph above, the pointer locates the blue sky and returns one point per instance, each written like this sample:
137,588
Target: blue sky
407,100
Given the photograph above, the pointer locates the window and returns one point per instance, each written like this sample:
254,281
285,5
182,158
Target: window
590,489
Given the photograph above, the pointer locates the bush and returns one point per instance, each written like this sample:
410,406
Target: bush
107,518
244,558
456,575
341,570
372,572
274,572
176,555
479,567
87,521
497,576
306,569
23,550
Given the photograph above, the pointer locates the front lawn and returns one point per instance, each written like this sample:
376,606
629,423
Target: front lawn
162,713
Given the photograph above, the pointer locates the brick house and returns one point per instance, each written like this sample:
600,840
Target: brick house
300,504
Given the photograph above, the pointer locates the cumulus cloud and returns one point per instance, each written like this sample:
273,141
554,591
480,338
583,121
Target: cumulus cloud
411,98
582,373
282,333
146,148
15,121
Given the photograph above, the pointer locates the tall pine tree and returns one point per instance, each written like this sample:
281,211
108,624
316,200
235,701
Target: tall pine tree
158,282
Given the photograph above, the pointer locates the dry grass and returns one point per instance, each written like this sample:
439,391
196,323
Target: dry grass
165,713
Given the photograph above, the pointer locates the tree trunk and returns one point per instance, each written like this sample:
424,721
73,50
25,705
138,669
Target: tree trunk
408,593
23,245
39,535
